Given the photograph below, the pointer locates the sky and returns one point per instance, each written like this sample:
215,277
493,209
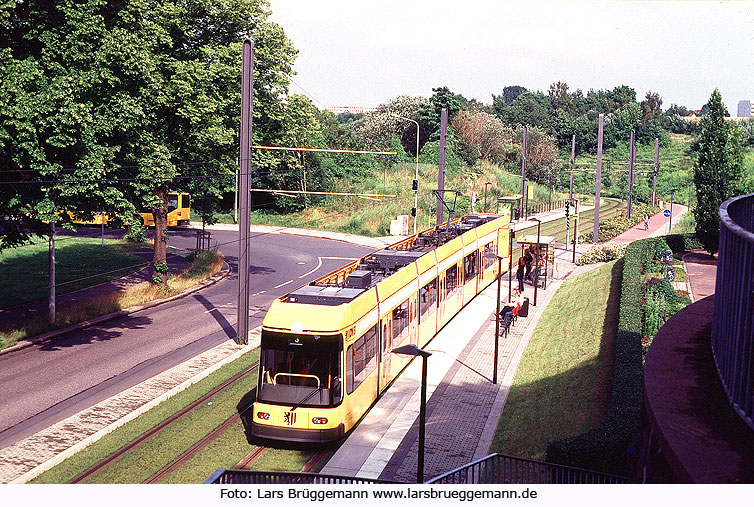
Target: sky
358,53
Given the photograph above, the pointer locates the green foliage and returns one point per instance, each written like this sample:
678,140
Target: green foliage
602,253
718,171
604,448
136,233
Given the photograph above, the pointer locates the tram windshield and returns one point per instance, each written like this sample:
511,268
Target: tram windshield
298,369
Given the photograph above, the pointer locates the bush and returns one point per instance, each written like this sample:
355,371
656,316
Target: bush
602,253
604,448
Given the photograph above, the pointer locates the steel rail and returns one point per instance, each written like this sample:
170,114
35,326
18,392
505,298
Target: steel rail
144,437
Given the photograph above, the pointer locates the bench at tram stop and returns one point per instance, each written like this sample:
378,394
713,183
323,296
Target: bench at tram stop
515,309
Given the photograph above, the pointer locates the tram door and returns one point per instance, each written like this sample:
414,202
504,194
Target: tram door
386,340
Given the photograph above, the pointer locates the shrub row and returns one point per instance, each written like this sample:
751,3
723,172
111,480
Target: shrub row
604,448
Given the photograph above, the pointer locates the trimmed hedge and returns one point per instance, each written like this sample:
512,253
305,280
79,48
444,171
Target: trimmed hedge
605,447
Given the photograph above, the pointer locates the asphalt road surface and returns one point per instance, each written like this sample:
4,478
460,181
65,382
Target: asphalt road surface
46,383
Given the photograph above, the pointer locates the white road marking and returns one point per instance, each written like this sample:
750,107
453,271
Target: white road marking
284,283
319,263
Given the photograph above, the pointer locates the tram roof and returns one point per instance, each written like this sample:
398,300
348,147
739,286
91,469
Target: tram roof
375,267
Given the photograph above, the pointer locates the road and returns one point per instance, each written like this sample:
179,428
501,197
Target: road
48,382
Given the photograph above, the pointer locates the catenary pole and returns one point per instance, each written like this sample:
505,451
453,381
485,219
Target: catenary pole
247,85
595,238
523,173
573,162
441,165
631,161
656,169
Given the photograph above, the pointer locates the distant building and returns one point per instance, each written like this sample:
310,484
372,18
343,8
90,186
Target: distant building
745,109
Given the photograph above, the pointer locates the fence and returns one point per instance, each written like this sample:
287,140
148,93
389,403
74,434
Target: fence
503,469
732,327
545,206
228,476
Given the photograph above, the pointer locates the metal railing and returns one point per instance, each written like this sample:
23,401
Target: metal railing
732,324
492,469
503,469
231,476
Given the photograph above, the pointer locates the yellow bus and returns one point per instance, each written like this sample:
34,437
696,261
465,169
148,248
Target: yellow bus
179,213
326,347
179,210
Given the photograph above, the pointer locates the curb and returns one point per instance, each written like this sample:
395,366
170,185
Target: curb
103,318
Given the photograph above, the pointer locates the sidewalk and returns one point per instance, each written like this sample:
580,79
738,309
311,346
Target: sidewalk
658,226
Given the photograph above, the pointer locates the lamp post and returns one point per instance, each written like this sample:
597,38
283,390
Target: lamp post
536,264
491,255
413,350
415,183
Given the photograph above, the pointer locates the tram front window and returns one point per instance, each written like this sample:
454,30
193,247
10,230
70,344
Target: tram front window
300,370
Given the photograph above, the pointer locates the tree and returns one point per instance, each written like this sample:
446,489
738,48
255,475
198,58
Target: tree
377,128
717,171
559,97
651,107
442,98
510,94
483,136
529,108
144,93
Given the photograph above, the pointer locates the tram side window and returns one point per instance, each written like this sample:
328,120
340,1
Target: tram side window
451,281
361,359
427,300
400,323
470,265
490,248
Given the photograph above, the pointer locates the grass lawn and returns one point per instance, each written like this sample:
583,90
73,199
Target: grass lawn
562,385
24,270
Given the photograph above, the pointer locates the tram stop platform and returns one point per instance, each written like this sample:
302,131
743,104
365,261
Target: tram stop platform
463,405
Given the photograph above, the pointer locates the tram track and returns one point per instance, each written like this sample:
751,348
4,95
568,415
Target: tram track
149,434
557,228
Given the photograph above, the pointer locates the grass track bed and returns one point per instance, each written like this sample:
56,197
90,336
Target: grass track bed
108,444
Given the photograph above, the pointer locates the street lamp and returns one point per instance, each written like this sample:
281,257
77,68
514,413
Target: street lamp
415,183
413,350
491,255
536,264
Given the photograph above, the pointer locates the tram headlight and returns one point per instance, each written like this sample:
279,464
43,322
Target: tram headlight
319,420
263,415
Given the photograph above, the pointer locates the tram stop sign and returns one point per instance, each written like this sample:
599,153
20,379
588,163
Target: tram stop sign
666,213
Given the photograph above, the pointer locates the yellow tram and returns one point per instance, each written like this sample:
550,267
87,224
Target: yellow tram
326,347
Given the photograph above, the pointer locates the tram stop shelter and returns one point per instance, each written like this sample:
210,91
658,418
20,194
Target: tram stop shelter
545,249
511,202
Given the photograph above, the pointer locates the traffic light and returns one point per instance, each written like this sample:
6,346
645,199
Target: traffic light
415,185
